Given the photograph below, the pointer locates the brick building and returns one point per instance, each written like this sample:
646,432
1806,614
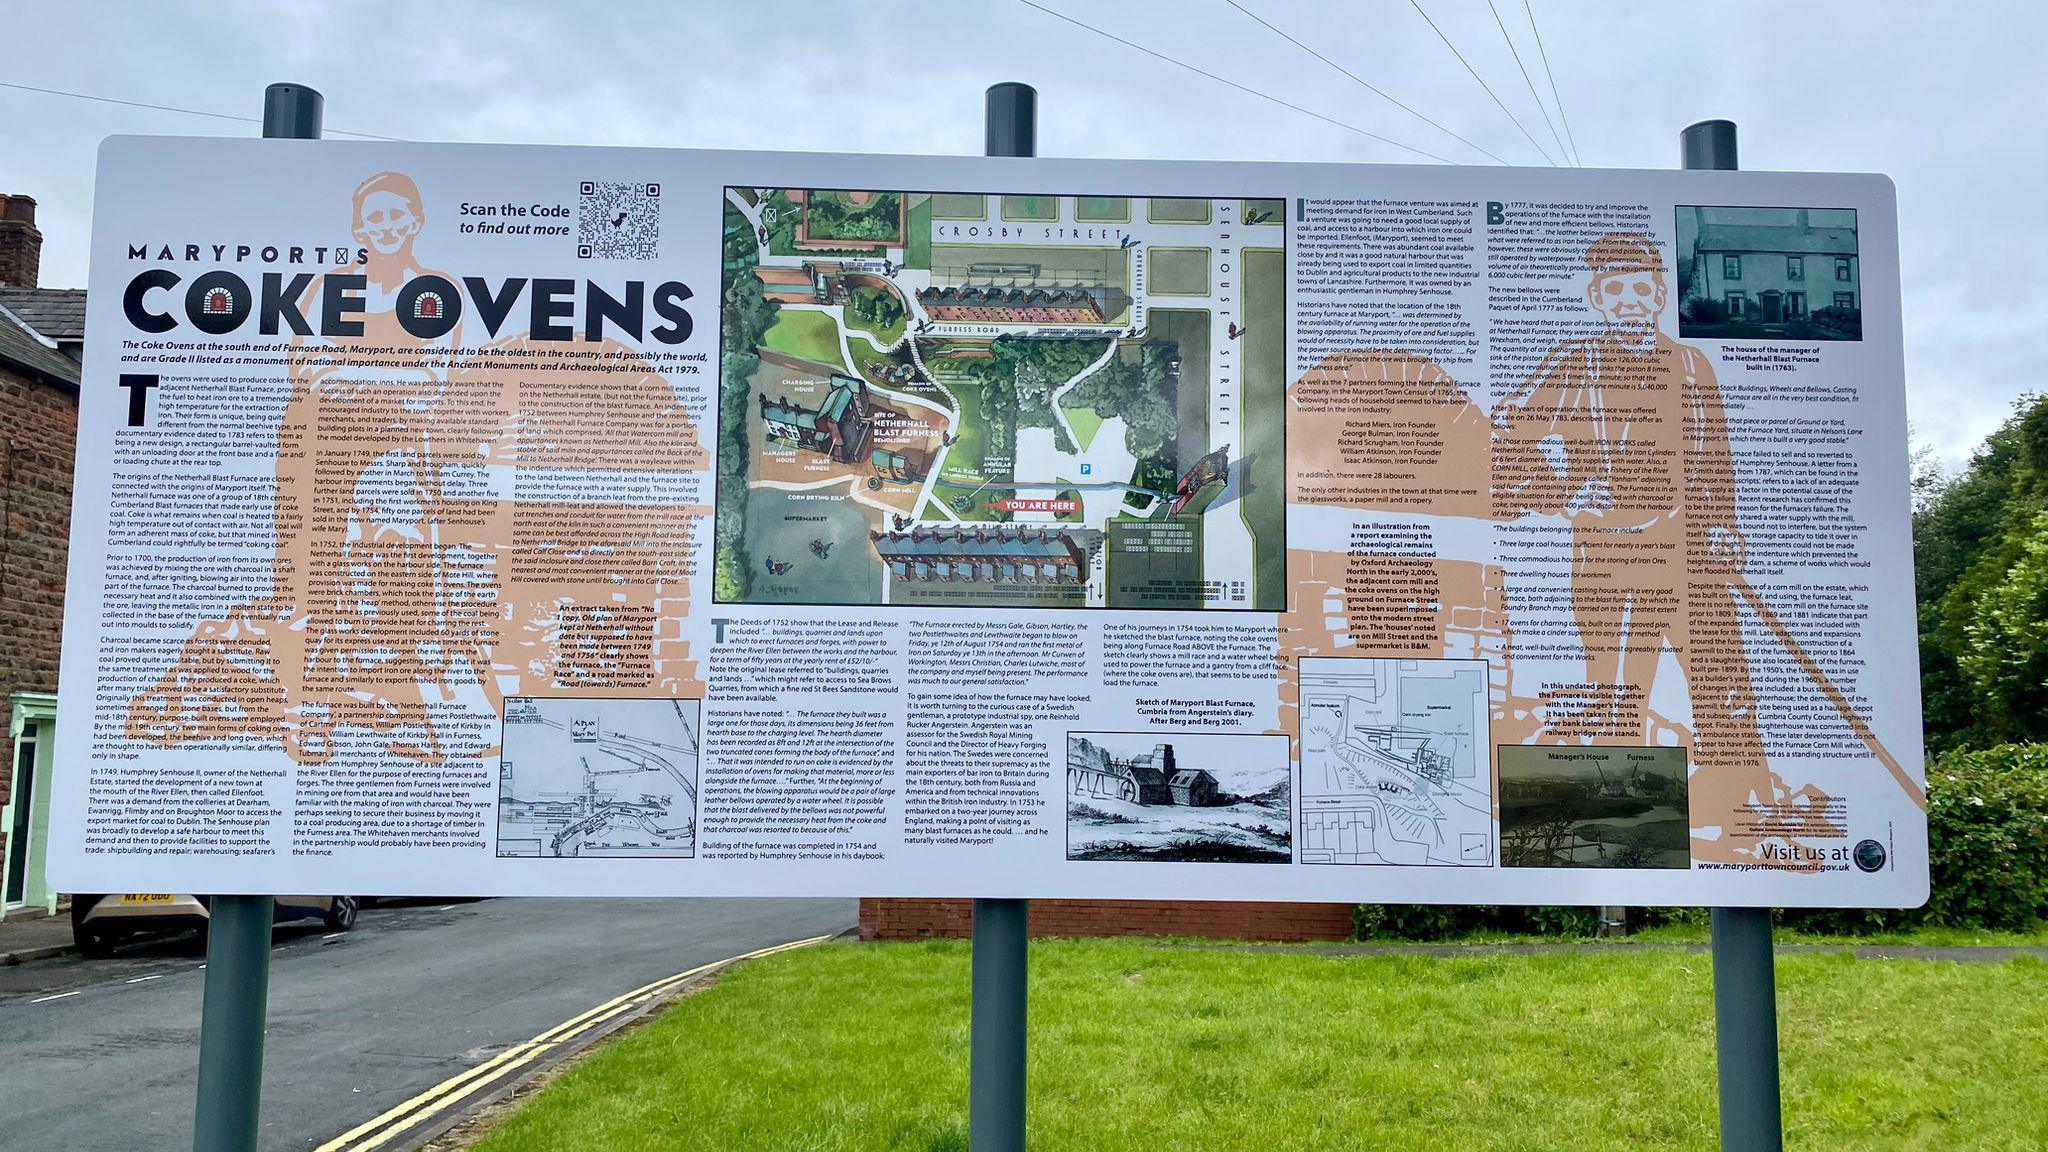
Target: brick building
906,919
42,332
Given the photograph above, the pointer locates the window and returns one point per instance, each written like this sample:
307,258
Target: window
1795,267
1738,303
1841,268
1731,267
1795,304
1845,300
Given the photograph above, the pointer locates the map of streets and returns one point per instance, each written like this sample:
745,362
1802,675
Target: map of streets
1001,400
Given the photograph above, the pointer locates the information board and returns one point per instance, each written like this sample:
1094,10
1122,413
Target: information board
514,520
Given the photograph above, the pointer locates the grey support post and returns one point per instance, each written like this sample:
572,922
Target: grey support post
995,1088
1745,983
238,927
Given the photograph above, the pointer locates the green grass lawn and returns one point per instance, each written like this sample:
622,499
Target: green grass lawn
1086,424
917,247
811,335
1142,1046
1177,210
1031,207
1178,271
1103,209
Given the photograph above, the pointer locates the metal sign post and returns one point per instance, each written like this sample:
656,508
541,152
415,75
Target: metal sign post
238,927
995,1078
1745,983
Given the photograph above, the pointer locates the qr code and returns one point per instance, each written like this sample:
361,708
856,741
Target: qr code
618,220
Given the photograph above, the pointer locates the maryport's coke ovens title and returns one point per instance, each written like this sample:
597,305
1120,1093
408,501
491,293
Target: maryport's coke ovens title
220,301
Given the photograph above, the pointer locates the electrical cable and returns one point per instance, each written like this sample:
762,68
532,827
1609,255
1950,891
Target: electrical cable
1355,78
1554,97
1236,85
1526,79
169,108
1482,80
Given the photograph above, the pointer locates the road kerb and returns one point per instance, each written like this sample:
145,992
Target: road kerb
444,1098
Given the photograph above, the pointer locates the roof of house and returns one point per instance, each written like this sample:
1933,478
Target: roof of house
1001,544
1776,238
23,348
1188,777
58,313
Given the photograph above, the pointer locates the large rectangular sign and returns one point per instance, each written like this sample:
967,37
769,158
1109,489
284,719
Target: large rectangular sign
514,520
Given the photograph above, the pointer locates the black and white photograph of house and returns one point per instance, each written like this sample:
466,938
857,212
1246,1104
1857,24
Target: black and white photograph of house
1769,274
1181,797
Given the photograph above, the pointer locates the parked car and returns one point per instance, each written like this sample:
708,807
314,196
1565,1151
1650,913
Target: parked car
98,923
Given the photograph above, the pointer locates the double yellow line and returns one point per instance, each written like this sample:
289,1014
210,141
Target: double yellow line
377,1132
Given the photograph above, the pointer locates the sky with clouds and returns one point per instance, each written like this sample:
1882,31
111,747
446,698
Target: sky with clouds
1944,98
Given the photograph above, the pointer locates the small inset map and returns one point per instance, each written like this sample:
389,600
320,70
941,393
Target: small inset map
1394,765
598,778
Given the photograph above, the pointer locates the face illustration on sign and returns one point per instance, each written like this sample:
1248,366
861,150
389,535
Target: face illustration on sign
1630,302
388,214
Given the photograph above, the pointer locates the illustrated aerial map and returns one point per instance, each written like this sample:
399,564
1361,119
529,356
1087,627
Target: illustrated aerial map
598,778
1001,400
1394,762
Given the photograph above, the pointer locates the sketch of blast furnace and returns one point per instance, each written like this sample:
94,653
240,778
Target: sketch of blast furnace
1149,779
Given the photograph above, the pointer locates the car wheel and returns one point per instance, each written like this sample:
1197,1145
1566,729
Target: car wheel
342,915
93,943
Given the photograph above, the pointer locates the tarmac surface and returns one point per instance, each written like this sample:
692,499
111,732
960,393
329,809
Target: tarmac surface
103,1054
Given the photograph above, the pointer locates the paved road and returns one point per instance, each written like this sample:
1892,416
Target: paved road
358,1022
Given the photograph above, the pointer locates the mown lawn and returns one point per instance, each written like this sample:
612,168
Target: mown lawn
811,335
1138,1045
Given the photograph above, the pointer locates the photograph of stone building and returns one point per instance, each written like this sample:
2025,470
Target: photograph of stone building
1187,797
1769,274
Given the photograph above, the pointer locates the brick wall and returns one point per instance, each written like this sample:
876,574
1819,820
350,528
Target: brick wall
38,434
1214,919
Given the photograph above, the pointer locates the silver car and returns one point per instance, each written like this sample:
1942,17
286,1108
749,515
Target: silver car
99,923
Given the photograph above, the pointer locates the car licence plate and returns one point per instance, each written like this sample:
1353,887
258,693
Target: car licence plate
141,898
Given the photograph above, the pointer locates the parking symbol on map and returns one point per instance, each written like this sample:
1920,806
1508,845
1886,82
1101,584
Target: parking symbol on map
1087,469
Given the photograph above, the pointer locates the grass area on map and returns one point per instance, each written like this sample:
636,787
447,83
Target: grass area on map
1102,209
1178,271
1141,1045
1188,330
1086,423
1265,422
811,335
1174,210
958,206
1031,207
917,247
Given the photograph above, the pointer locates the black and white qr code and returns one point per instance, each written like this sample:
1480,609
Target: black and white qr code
618,220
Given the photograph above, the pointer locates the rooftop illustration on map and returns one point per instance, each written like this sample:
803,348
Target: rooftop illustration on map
1001,400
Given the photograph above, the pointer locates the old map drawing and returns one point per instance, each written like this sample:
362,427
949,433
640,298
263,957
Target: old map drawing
586,777
1394,762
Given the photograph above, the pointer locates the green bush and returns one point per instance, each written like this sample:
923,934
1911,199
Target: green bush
1987,826
1987,831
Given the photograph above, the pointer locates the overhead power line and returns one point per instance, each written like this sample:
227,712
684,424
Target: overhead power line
169,108
1526,79
1234,84
1482,80
1361,81
1552,76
